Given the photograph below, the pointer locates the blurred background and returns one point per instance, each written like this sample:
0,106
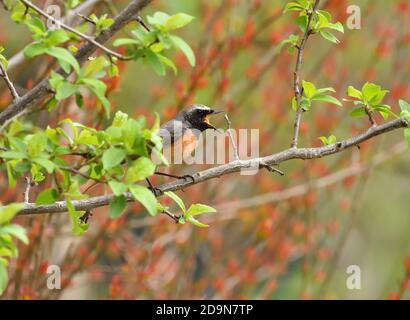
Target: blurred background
273,237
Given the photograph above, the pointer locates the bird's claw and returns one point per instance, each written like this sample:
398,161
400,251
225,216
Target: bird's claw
188,177
271,169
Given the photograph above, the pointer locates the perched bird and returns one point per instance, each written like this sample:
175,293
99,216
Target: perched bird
182,132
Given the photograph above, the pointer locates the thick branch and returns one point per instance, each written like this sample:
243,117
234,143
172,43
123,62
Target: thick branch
296,82
235,166
43,89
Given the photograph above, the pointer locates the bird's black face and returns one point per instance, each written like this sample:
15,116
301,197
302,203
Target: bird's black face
198,116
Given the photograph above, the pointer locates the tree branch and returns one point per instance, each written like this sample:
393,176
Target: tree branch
296,82
43,89
235,166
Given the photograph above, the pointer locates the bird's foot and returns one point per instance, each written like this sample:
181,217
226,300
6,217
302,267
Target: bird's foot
186,177
271,168
156,191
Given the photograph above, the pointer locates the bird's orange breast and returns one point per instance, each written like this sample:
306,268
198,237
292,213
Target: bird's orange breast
182,148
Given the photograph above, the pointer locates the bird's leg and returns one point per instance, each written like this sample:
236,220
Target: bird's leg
157,192
185,177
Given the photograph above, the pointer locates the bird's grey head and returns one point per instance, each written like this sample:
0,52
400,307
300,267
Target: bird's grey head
197,115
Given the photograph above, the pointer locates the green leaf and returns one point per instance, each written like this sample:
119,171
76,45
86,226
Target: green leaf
338,26
48,196
326,98
159,18
309,89
65,58
378,98
37,144
65,90
113,157
176,199
359,112
197,209
98,88
302,22
87,138
155,62
35,49
196,223
11,176
120,119
125,42
354,93
118,188
35,25
179,43
168,63
293,6
13,155
294,104
369,91
4,278
405,109
407,136
117,206
9,211
94,66
329,36
385,111
305,104
141,168
178,21
56,37
324,140
325,90
332,139
15,230
404,105
145,197
45,163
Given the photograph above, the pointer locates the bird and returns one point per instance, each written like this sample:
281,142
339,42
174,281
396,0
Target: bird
182,132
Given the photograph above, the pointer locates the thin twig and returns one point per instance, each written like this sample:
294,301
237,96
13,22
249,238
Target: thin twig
9,84
234,146
78,172
171,215
76,32
296,82
27,191
84,17
371,116
142,22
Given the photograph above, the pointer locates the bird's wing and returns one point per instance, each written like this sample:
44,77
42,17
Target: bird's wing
171,131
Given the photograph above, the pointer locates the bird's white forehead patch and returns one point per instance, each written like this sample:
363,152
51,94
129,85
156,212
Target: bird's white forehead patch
201,107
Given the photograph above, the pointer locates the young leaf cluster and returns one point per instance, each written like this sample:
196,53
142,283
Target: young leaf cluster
9,231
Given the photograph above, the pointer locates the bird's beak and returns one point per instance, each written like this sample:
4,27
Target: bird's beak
206,119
